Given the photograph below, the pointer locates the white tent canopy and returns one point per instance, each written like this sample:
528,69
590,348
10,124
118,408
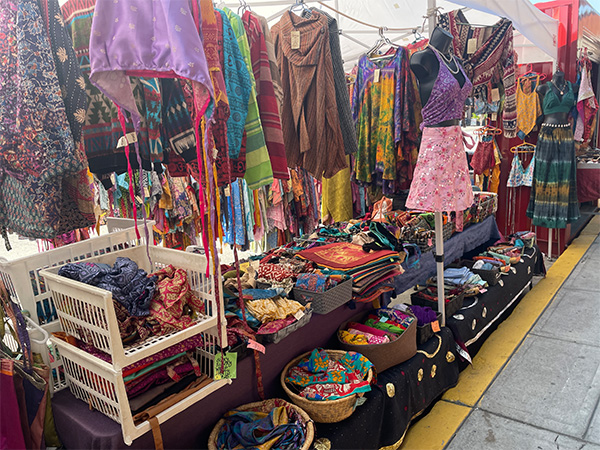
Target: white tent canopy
535,38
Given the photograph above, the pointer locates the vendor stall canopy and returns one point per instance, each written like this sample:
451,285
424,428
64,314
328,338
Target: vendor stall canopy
534,40
535,32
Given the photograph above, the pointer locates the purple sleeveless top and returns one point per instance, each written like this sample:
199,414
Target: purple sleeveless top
447,99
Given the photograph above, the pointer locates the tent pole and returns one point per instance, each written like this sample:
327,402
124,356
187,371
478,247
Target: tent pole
431,5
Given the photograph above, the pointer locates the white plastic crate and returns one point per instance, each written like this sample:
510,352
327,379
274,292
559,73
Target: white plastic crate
88,313
22,276
38,338
99,385
114,224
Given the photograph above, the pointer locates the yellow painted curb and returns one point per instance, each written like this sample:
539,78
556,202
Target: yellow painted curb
436,428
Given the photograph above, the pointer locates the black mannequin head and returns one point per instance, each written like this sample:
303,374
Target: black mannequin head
559,77
441,40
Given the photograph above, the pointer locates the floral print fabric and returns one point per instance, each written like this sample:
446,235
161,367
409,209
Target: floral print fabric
441,180
319,377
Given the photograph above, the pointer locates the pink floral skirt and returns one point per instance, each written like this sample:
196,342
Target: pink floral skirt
441,180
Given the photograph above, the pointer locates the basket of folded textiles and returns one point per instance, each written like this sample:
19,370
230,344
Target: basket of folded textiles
269,314
273,422
386,336
326,293
487,271
487,204
418,232
428,321
327,383
427,296
527,237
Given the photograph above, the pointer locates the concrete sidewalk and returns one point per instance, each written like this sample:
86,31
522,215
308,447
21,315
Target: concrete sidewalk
535,383
547,395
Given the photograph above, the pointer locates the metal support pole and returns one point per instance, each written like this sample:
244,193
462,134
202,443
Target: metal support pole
439,258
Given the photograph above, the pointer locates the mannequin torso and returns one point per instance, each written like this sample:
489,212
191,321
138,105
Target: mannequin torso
558,83
425,65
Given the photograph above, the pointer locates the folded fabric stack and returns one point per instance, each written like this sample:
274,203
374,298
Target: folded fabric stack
319,377
463,277
145,305
151,379
316,282
371,272
382,326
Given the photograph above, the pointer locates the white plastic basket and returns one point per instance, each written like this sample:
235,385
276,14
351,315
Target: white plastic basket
99,385
22,276
115,224
88,313
38,338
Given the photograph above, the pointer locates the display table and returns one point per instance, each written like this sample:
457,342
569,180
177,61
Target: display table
588,182
454,248
401,394
479,313
79,427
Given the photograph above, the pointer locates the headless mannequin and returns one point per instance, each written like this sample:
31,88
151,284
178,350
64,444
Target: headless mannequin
558,82
425,65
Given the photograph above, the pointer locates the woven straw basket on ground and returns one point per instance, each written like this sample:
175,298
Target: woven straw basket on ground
267,406
324,411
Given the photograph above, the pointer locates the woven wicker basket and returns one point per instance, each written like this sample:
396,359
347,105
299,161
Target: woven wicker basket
487,204
323,411
267,406
325,302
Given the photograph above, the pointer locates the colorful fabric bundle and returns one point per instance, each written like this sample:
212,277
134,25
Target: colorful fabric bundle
315,282
175,306
319,377
249,429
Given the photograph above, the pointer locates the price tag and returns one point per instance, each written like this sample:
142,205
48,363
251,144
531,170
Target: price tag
229,366
299,315
383,319
256,346
227,191
482,291
129,138
435,326
401,307
494,117
471,46
376,75
495,95
295,40
429,242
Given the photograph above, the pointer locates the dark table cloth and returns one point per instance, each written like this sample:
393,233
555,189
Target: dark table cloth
454,248
480,312
588,182
386,415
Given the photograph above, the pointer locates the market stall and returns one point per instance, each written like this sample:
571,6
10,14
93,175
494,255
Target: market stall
284,178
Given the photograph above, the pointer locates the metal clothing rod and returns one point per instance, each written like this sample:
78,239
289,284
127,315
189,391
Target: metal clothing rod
267,3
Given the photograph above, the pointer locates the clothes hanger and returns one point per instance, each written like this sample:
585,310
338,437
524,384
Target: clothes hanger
523,147
417,35
243,7
373,54
299,3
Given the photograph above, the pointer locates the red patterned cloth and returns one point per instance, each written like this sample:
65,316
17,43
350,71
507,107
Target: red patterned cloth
173,293
265,94
274,272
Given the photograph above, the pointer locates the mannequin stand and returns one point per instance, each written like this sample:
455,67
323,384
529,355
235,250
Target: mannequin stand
439,258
